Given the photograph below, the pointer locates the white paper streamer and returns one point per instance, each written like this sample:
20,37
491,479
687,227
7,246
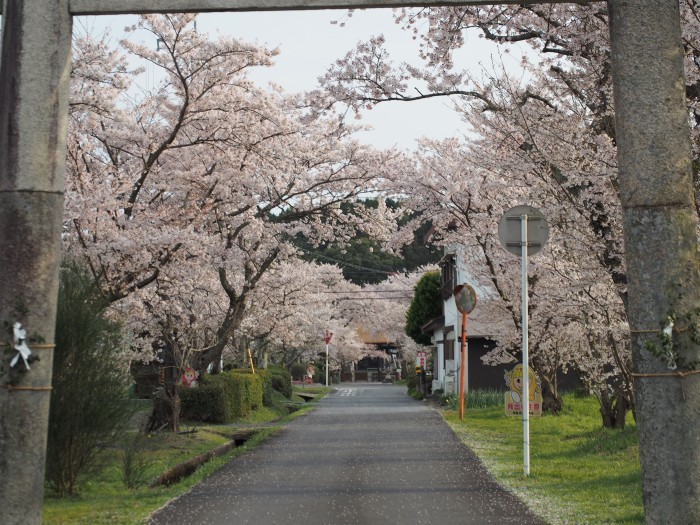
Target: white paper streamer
671,359
20,345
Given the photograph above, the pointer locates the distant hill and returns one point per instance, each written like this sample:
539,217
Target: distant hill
362,259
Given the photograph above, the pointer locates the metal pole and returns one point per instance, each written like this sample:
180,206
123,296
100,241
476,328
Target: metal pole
250,358
525,401
463,365
326,364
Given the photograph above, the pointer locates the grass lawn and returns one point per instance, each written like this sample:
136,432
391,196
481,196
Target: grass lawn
103,498
580,473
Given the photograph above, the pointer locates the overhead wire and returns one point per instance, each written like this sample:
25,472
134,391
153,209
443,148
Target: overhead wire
347,264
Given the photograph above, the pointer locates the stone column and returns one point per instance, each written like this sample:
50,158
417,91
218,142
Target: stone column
34,84
656,190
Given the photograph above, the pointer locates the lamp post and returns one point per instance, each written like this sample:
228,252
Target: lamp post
327,339
465,299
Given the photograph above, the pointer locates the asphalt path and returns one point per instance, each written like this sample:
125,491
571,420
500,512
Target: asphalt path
369,454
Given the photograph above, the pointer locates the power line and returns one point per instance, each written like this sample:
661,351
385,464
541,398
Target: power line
344,263
366,291
395,298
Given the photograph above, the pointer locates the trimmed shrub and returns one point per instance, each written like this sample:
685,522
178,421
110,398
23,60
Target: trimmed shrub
251,387
266,379
282,383
276,378
221,398
215,400
298,371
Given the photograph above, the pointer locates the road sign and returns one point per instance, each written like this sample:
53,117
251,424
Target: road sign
523,231
465,298
509,232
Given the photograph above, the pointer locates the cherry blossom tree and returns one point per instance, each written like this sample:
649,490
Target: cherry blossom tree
460,188
292,308
181,200
556,120
387,309
296,302
571,54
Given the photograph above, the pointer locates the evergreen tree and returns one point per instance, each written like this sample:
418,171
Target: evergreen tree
426,305
89,402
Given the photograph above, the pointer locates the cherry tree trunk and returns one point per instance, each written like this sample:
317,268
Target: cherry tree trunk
34,75
166,410
613,410
656,191
551,402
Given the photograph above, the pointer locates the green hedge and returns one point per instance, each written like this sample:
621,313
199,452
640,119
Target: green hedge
213,401
222,398
250,389
298,371
275,378
266,379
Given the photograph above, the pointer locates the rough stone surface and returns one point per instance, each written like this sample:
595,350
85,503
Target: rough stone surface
656,191
34,73
92,7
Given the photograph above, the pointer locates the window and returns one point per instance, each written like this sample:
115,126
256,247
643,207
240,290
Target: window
448,276
449,343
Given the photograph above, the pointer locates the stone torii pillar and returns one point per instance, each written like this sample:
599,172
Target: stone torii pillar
34,76
661,248
655,187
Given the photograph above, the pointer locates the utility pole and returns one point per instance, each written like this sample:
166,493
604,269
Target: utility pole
327,338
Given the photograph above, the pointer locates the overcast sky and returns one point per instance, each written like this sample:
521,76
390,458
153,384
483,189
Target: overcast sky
310,43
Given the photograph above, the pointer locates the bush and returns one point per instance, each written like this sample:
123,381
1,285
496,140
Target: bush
411,379
415,394
275,379
280,380
221,398
89,405
298,371
251,388
135,461
213,401
282,384
267,393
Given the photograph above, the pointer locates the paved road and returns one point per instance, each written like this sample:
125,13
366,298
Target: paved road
369,454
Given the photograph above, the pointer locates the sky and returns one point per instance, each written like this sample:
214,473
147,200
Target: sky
310,43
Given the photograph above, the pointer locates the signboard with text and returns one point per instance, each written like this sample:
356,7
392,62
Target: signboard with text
514,397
